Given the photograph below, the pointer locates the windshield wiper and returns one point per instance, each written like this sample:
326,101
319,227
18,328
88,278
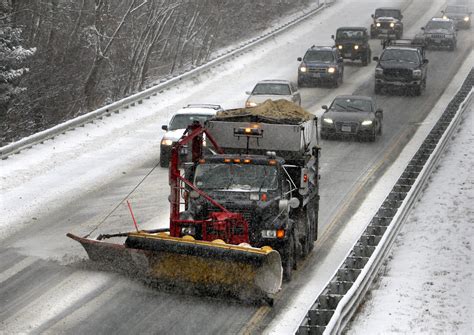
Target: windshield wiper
341,106
356,108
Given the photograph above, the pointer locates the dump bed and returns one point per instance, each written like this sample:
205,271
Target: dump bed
285,128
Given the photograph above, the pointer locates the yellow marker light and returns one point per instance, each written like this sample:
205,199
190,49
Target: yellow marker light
201,161
272,162
236,160
247,161
280,233
248,130
227,160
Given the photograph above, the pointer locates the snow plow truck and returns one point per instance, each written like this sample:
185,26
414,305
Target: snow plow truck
240,215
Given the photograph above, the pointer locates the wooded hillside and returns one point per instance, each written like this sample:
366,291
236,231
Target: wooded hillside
63,58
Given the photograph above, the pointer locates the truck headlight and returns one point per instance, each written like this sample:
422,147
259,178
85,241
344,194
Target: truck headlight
331,70
356,47
416,73
378,24
445,17
188,231
166,142
269,233
466,19
339,47
366,123
392,24
378,72
250,104
328,121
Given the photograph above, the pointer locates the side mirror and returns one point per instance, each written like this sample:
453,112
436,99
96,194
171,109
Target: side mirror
299,59
325,107
164,127
425,61
442,12
294,202
422,28
332,36
375,58
373,16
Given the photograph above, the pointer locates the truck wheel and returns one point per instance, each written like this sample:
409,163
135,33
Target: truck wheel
365,59
417,90
378,89
163,162
309,222
289,259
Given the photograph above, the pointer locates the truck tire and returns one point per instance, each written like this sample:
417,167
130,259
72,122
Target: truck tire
289,258
378,89
310,222
163,162
366,59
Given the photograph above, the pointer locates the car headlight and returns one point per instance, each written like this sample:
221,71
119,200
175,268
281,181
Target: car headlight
466,19
166,142
356,47
331,70
188,230
445,17
417,73
303,69
328,121
339,47
250,104
392,24
378,24
269,233
366,123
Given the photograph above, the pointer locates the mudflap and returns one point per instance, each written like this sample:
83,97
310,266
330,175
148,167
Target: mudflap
213,267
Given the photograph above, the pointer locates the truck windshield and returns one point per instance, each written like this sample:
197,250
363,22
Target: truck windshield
236,177
400,55
349,34
182,121
387,13
439,25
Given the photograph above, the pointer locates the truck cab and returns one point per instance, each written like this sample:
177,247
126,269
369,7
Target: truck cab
275,190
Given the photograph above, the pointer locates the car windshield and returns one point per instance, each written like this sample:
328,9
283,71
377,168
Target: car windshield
456,9
236,177
319,56
351,105
271,89
349,34
387,13
438,25
399,55
182,121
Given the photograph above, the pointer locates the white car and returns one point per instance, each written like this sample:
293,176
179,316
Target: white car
178,124
273,90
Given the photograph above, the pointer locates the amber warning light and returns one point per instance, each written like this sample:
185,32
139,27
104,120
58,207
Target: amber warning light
253,132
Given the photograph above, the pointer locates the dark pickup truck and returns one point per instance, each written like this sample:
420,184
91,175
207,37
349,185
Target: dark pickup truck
387,23
401,65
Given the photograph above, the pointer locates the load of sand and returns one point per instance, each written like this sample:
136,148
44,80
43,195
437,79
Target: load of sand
273,111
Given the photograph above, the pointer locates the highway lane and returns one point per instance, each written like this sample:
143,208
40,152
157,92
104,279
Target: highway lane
50,267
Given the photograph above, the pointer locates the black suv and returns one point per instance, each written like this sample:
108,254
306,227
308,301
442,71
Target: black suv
401,65
353,44
321,64
387,23
440,33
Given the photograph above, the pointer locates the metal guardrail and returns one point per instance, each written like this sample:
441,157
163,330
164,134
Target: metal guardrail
341,297
156,88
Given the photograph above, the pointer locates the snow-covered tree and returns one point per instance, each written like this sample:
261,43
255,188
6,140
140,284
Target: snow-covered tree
12,57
